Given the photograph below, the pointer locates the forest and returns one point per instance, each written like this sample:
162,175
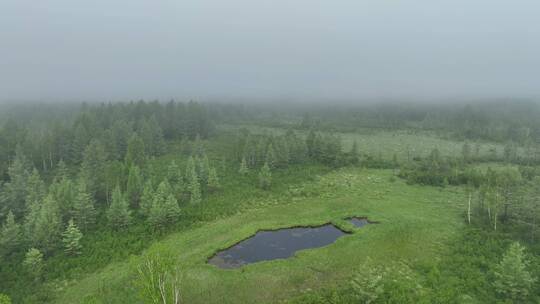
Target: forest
125,202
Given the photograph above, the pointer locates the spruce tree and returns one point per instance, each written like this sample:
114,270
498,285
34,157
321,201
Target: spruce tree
14,192
311,142
194,185
61,170
118,214
135,154
134,186
195,191
164,210
10,235
466,152
152,137
203,169
80,141
198,146
71,239
191,170
354,149
158,144
283,153
213,180
36,189
146,198
64,192
33,263
270,158
30,220
93,168
48,226
83,207
176,180
260,152
243,167
265,177
513,280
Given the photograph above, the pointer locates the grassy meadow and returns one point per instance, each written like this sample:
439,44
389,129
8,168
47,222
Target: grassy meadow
405,144
415,224
420,250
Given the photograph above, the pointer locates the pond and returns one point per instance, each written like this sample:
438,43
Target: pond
359,221
278,244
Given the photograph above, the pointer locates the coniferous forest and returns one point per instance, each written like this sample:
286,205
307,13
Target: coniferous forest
127,202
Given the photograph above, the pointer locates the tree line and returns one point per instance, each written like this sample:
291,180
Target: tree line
46,142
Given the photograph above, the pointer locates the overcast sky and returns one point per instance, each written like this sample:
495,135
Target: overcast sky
298,49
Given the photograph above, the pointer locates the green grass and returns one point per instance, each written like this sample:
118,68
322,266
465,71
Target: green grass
416,223
407,143
403,143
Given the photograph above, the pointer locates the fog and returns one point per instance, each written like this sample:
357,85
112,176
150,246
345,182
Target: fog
268,49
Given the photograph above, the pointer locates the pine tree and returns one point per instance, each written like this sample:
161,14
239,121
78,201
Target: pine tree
213,180
10,235
48,226
134,186
512,278
243,167
265,177
71,239
83,207
119,214
33,262
164,210
146,198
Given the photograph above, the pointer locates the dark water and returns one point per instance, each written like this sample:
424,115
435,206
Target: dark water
359,222
278,244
